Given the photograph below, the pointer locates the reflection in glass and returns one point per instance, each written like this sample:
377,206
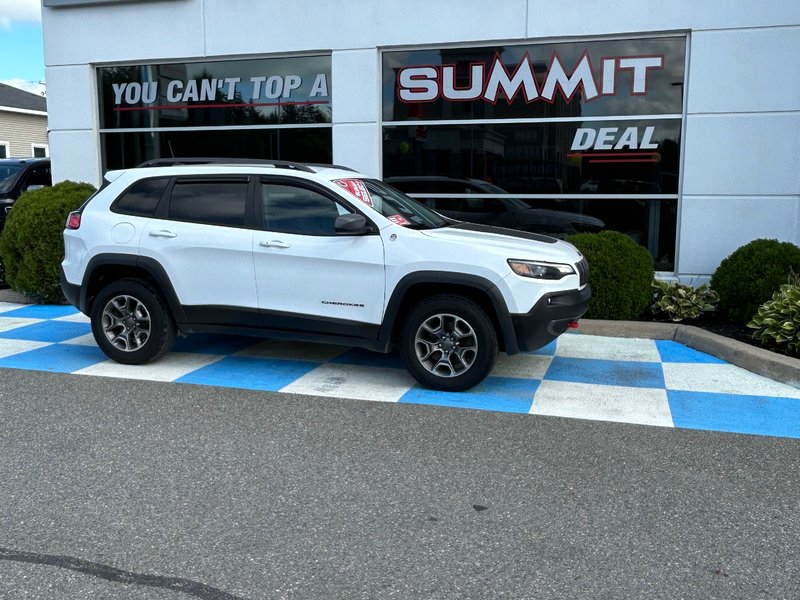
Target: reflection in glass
124,150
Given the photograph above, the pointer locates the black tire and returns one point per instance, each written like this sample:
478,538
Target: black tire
448,343
131,322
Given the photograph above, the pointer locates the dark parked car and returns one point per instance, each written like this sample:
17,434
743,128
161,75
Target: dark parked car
18,175
502,210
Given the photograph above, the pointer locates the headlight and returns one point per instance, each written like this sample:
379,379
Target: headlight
540,270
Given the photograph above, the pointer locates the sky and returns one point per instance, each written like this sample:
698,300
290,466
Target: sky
22,64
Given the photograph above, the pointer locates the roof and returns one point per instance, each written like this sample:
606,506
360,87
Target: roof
11,97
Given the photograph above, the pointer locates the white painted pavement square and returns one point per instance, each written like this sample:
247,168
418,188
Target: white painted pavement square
607,348
168,368
723,379
353,381
522,366
12,347
643,406
76,318
9,323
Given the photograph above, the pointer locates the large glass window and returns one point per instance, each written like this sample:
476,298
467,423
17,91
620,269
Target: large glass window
275,108
584,128
122,150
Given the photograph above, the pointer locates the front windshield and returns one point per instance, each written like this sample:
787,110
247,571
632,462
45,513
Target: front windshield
400,209
7,175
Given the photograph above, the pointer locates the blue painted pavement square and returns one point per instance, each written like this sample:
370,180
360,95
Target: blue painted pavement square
48,331
57,358
263,374
761,415
502,394
673,352
606,372
42,311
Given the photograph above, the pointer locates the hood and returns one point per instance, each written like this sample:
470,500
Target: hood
509,243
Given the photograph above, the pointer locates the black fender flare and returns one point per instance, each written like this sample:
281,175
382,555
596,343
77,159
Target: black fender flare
151,266
448,278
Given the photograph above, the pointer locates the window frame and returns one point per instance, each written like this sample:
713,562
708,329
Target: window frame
162,209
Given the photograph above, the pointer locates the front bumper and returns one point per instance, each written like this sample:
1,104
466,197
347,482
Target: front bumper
549,318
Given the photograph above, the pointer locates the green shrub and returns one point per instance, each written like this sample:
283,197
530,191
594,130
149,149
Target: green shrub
32,245
679,302
748,277
777,322
620,273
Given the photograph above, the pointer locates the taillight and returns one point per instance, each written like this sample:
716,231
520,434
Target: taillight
74,220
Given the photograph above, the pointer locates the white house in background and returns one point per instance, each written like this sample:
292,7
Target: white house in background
674,122
23,123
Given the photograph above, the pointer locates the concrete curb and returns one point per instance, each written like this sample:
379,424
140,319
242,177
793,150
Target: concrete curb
777,367
763,362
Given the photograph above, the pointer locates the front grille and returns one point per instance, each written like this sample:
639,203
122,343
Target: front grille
583,271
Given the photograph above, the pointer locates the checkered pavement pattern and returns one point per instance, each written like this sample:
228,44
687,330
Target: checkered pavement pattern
649,382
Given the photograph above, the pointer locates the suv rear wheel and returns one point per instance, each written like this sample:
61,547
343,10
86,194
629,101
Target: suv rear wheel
448,343
131,322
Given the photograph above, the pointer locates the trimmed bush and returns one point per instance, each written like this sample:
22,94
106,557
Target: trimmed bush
620,273
777,322
679,302
751,275
31,243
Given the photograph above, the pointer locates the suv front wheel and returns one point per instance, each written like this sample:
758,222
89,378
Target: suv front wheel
448,343
131,322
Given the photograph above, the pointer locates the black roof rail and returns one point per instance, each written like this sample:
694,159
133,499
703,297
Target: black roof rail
330,166
194,160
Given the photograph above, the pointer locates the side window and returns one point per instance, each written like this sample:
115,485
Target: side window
141,198
291,209
209,201
39,176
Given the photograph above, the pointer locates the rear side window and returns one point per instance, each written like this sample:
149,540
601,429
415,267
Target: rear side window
141,198
209,201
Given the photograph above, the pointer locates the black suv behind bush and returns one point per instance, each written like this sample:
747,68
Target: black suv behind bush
18,175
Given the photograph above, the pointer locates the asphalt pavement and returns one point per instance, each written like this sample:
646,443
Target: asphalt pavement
125,489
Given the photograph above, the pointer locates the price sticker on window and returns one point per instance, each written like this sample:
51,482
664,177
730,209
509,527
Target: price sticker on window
398,220
357,188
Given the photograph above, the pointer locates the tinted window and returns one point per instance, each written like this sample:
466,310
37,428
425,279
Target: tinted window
213,202
141,198
291,209
39,176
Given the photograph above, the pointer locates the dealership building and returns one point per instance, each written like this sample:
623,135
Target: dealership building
677,123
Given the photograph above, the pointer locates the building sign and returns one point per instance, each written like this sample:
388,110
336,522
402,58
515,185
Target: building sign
221,93
592,78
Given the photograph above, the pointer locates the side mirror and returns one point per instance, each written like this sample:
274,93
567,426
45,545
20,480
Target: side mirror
352,224
32,187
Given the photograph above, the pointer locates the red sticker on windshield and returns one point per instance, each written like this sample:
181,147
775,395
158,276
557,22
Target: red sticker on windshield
399,220
357,188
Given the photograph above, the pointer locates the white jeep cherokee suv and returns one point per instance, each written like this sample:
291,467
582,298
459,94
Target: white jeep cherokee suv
317,253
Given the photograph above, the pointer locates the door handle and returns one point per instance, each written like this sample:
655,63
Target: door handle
273,244
163,233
